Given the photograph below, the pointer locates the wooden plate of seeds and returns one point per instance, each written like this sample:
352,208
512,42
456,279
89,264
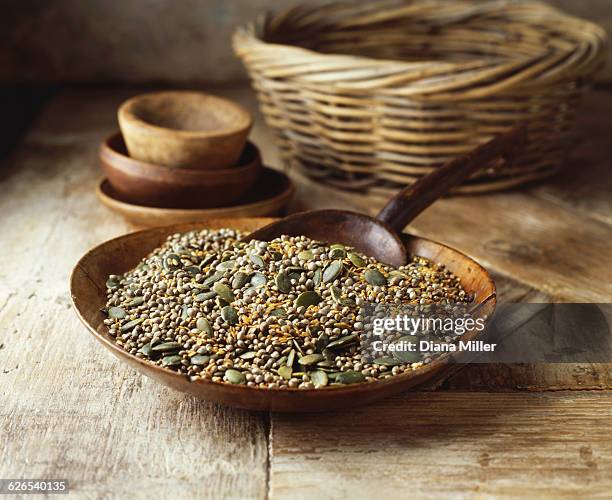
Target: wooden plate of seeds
89,296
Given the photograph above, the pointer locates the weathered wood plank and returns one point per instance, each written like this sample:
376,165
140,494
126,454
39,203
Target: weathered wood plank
448,445
68,410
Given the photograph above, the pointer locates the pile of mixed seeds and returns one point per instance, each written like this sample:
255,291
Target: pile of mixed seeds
287,313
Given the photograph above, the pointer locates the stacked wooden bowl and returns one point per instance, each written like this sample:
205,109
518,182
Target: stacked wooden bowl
182,156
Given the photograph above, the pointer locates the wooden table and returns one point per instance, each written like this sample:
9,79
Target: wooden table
69,410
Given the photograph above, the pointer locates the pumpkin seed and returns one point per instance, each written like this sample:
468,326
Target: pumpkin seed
286,372
322,341
227,265
248,355
111,283
200,360
276,256
185,312
318,277
131,324
350,377
258,280
207,260
201,297
305,255
310,359
203,325
239,280
116,313
319,378
308,298
257,260
283,283
332,271
325,364
375,277
235,377
336,294
229,314
136,301
407,356
279,312
225,292
398,274
145,349
193,270
386,361
171,360
343,341
291,358
167,347
213,278
356,259
337,253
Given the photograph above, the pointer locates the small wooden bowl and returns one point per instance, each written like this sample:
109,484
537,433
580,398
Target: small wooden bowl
88,291
157,186
184,129
270,194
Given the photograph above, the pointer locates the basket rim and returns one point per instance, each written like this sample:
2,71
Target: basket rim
250,46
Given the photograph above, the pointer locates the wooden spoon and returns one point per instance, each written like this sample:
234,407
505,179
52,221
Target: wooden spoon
379,237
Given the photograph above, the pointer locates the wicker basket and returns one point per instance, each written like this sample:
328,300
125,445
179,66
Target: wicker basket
371,96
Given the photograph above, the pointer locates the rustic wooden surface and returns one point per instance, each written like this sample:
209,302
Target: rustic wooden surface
69,410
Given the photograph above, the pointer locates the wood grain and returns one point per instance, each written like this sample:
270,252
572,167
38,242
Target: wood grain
68,409
448,445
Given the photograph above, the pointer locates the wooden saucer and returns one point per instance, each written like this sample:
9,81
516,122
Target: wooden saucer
271,193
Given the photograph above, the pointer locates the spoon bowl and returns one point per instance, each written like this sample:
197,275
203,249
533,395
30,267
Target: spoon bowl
378,237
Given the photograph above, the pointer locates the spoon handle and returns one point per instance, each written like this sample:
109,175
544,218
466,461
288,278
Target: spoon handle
413,199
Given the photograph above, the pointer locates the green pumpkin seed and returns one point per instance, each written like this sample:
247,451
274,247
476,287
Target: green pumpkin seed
224,291
200,360
407,356
111,283
283,283
131,324
116,313
291,357
337,253
325,364
229,314
319,378
167,347
332,271
136,301
308,298
310,359
386,361
235,377
305,255
375,278
343,341
207,260
322,341
204,296
145,349
239,280
318,277
257,260
227,265
276,256
398,274
258,280
193,270
184,313
171,360
336,294
172,262
248,355
286,372
279,312
356,260
213,278
203,325
350,377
